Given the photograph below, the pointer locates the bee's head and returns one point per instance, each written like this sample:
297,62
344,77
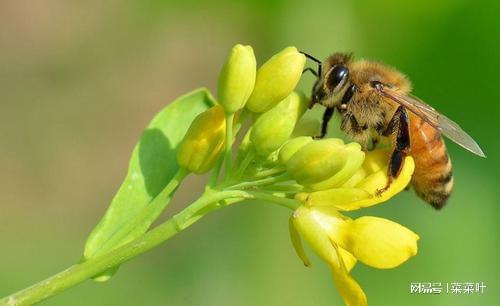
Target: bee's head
331,84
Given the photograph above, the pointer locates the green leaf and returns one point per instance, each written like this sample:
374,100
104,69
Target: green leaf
152,168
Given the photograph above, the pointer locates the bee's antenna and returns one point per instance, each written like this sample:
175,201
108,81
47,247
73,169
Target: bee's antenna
317,61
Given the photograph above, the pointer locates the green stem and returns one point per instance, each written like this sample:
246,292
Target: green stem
216,173
249,156
229,144
269,172
262,182
286,202
94,266
283,188
241,119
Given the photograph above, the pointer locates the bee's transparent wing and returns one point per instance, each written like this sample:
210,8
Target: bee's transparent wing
445,125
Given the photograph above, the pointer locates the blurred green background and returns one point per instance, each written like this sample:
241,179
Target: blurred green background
80,79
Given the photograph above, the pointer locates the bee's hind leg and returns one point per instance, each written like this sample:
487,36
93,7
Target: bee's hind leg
401,124
327,116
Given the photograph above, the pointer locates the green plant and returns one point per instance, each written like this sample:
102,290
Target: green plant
275,162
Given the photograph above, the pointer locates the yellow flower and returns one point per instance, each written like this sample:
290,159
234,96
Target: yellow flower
339,240
360,190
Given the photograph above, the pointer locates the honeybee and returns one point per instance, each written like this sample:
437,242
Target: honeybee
375,103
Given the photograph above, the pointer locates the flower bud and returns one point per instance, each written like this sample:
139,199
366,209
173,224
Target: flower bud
276,79
237,78
204,141
292,146
273,128
325,163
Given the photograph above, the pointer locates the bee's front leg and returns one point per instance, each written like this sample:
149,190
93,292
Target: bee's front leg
327,116
400,123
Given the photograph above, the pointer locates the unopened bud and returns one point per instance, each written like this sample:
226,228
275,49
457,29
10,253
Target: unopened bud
237,78
325,163
276,79
273,128
203,142
292,146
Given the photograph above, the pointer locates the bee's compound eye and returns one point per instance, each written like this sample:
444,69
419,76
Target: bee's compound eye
337,78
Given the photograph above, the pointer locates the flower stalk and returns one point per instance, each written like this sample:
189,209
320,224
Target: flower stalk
228,158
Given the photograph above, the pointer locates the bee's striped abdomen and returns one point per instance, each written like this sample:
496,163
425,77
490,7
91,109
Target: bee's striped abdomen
433,178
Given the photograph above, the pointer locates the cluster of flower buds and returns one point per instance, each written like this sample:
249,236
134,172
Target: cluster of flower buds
267,92
323,177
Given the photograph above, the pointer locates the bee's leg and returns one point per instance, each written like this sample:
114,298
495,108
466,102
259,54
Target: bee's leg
311,71
327,116
393,124
315,73
312,103
401,124
350,124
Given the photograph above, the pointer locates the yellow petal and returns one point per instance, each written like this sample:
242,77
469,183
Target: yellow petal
297,243
313,225
357,177
377,159
377,242
364,194
348,259
310,225
349,289
377,181
340,198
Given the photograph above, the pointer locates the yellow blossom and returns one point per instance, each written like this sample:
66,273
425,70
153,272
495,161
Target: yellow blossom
339,240
361,190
